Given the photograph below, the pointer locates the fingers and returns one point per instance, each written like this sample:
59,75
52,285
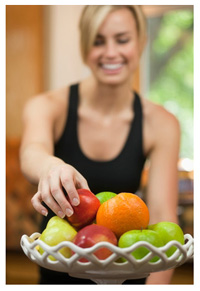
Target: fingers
50,190
36,202
60,198
68,183
82,183
49,201
72,183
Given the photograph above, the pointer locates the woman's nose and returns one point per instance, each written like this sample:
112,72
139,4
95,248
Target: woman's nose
110,49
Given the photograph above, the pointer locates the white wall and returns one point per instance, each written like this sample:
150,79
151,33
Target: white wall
63,64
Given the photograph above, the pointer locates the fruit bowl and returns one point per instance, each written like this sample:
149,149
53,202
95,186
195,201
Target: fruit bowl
111,270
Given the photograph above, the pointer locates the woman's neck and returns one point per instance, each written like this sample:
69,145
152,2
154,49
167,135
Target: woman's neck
106,98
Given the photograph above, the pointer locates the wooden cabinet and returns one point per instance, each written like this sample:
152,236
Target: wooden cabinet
24,78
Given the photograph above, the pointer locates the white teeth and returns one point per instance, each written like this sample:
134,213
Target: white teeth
111,66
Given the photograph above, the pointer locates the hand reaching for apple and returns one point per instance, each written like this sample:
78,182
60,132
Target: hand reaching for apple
56,176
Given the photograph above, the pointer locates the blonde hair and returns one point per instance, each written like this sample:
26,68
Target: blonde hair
93,16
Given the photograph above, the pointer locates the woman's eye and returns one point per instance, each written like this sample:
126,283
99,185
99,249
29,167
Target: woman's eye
98,42
123,40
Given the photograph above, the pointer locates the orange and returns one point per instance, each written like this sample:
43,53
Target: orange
122,213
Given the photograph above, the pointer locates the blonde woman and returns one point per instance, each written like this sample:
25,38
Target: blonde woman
97,134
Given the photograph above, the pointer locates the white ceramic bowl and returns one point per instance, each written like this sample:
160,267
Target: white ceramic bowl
109,271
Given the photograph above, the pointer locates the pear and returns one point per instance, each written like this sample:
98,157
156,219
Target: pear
56,231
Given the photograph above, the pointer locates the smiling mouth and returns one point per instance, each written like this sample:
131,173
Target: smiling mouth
112,66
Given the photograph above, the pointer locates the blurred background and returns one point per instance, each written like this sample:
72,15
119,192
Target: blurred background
42,53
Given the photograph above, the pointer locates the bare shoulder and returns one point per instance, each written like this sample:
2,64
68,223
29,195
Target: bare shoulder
157,116
50,103
160,125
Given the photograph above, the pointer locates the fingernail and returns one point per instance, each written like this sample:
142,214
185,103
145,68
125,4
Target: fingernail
44,212
61,214
75,201
69,212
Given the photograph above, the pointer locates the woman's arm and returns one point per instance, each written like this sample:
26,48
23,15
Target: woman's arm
38,163
162,188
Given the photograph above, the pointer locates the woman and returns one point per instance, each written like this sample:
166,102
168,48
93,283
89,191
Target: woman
97,134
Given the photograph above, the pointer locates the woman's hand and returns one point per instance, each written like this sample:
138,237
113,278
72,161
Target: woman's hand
56,176
41,117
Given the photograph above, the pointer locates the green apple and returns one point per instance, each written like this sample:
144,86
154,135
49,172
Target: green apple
56,231
168,231
132,236
104,196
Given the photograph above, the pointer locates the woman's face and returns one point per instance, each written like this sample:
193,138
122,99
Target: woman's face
115,53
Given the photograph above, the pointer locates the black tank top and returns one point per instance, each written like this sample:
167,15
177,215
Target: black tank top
121,174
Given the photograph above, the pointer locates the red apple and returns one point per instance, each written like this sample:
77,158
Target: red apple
92,234
85,212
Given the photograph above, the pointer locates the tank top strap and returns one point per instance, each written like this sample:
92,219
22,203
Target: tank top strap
73,100
134,141
71,124
137,104
138,113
